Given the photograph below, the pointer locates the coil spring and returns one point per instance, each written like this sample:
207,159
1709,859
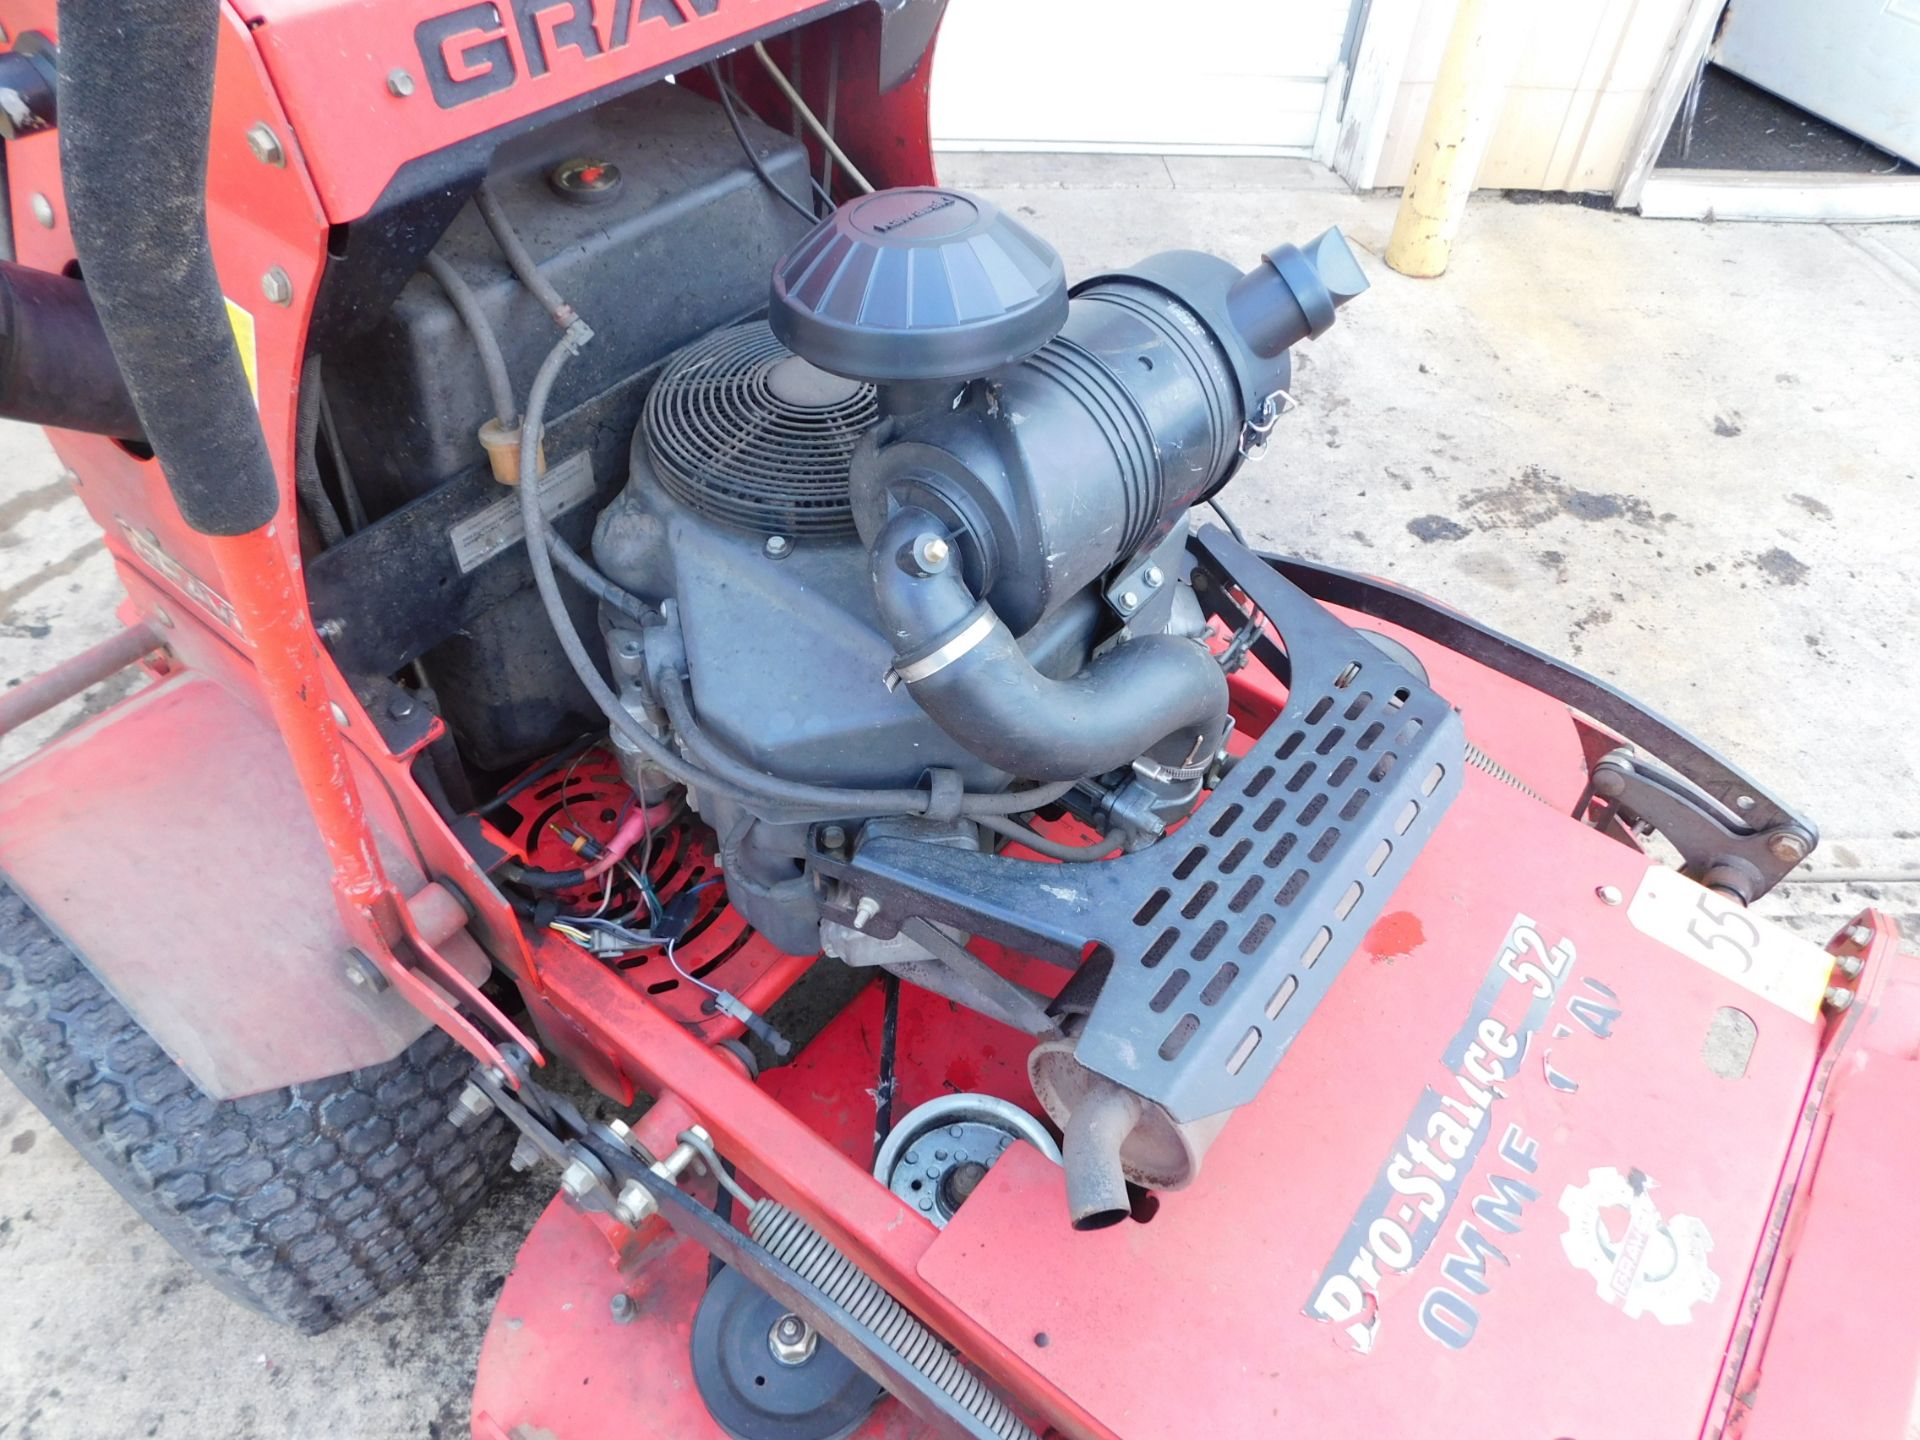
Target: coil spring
802,1248
1480,760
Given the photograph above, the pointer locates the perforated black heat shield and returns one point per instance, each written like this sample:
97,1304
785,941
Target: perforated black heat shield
1226,935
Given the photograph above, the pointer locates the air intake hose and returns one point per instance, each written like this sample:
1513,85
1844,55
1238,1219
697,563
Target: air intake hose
1161,696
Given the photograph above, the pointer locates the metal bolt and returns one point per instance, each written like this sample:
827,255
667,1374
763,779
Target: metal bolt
792,1340
833,837
628,647
1609,894
339,715
363,974
865,911
622,1308
930,552
1745,802
399,84
1861,935
266,145
1838,997
578,1180
277,287
1154,577
1849,965
634,1205
1129,601
1788,845
400,706
42,210
471,1106
778,547
525,1156
331,630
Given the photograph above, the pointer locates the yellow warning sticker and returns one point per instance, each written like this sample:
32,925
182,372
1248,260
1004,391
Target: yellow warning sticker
1731,940
242,322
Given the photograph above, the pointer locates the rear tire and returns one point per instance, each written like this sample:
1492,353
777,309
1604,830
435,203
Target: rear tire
304,1203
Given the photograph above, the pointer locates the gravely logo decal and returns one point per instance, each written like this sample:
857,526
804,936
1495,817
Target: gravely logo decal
482,49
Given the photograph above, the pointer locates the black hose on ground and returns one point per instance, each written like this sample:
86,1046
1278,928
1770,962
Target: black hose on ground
464,302
136,187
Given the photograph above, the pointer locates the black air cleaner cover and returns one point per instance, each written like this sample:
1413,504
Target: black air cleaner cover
918,284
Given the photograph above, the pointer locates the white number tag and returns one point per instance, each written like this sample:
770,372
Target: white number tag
1732,941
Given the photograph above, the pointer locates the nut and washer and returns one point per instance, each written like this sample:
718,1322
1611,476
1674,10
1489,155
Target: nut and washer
1849,965
1788,845
266,145
42,210
578,1180
635,1205
1154,577
778,547
792,1340
363,974
472,1105
865,911
622,1308
399,84
1861,935
1838,997
277,286
930,553
1129,602
1609,894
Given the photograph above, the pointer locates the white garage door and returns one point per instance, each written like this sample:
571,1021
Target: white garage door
1216,76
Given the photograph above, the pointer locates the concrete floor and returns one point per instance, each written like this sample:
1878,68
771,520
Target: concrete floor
1682,455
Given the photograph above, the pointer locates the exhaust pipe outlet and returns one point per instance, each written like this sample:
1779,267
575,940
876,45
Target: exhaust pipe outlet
1113,1136
1096,1182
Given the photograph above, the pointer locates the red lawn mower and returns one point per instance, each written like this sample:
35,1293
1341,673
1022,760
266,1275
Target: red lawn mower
636,576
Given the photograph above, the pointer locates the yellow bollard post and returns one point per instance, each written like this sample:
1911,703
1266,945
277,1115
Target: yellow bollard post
1460,118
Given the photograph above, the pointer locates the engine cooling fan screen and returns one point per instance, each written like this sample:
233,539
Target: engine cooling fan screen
744,431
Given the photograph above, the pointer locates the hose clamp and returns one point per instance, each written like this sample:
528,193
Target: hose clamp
1253,435
932,663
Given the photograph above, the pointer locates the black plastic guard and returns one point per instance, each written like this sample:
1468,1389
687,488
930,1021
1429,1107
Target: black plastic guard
1226,935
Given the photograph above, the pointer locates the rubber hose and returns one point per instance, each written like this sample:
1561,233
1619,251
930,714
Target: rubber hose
1044,845
518,874
800,1247
1156,695
136,187
306,458
484,340
522,265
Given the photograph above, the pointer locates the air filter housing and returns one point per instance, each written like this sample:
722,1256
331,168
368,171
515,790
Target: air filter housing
743,431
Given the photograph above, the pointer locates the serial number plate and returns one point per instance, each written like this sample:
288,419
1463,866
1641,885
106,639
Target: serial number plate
1732,941
498,528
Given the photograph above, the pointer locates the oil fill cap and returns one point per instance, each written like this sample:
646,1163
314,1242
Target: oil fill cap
918,284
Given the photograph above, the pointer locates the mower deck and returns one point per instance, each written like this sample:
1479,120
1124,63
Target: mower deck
1522,1140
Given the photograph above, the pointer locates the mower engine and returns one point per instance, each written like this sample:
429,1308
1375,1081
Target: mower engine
925,529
